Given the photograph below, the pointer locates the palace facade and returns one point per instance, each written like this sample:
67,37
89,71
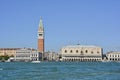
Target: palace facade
81,53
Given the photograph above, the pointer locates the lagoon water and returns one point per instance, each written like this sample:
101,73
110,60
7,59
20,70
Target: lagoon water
60,71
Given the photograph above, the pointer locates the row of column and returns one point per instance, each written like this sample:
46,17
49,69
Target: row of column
83,59
114,59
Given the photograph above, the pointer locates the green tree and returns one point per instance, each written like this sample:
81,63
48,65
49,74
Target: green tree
0,57
6,57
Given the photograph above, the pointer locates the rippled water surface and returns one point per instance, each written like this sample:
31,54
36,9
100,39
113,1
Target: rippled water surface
60,71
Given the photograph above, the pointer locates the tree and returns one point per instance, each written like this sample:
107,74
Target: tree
6,57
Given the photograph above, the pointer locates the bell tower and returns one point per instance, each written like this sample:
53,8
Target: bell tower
41,37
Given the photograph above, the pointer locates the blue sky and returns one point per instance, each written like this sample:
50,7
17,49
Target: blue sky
66,22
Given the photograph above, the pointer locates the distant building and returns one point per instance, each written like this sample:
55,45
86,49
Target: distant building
81,53
41,38
104,58
35,56
8,51
46,56
11,51
26,55
113,56
51,56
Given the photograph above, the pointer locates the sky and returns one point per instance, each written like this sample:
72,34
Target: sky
66,22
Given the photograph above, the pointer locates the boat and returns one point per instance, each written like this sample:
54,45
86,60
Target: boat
35,61
8,60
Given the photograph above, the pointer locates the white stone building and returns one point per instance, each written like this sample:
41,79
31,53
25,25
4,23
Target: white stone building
26,55
35,56
113,56
81,53
51,56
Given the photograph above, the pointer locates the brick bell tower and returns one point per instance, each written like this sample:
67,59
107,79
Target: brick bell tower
41,37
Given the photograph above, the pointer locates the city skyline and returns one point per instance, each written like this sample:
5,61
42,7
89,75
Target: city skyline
65,23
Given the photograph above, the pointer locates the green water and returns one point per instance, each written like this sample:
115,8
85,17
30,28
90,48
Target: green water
60,71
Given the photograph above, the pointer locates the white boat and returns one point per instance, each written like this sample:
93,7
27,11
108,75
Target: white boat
8,60
35,61
105,61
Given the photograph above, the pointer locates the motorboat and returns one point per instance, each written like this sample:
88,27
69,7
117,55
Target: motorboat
35,61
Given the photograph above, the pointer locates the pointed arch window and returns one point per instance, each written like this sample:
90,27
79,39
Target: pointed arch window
91,52
98,52
76,51
81,52
71,51
86,51
65,51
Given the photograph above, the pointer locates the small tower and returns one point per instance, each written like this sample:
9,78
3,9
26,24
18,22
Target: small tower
41,37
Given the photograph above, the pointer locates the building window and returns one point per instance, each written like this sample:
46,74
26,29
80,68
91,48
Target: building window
76,51
71,51
86,51
40,34
82,54
98,52
91,52
81,51
65,51
113,55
